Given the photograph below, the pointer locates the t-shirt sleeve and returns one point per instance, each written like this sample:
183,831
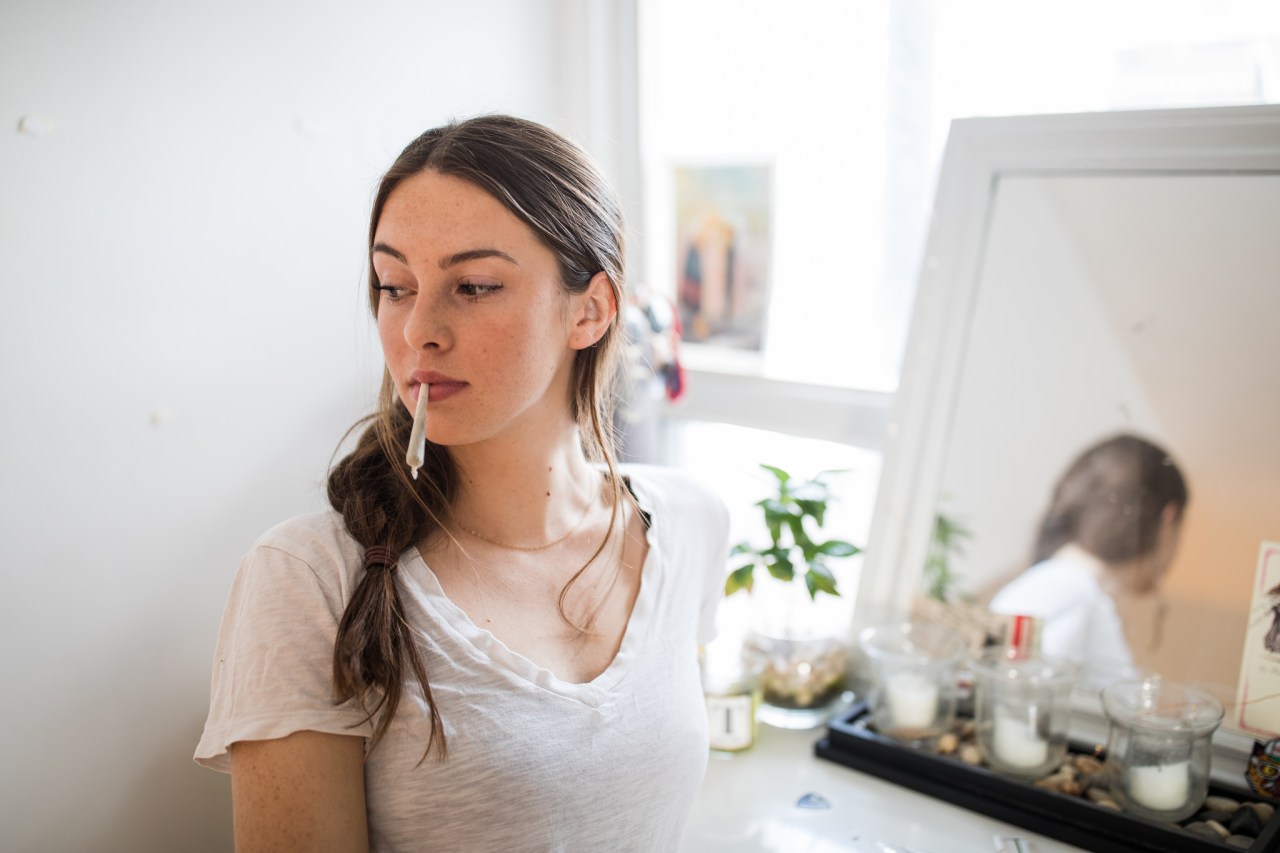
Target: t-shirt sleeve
273,663
717,522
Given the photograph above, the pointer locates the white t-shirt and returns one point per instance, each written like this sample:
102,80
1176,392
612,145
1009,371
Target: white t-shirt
1080,619
534,763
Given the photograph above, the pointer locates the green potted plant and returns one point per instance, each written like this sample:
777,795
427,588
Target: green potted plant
799,650
947,541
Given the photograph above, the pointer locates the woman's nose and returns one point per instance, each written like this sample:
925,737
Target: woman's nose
427,326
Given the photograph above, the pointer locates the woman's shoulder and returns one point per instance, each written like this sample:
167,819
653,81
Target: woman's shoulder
319,540
676,492
308,534
1048,586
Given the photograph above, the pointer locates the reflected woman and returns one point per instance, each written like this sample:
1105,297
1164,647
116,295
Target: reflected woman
1111,528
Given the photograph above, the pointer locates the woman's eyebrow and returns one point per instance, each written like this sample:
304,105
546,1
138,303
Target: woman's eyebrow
387,250
475,254
449,260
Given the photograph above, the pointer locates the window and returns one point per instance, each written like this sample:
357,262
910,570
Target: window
849,103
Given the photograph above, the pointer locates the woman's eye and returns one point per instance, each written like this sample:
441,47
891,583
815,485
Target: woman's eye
391,292
474,290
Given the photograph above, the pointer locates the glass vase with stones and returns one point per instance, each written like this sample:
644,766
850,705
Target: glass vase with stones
1159,747
913,680
1022,708
798,645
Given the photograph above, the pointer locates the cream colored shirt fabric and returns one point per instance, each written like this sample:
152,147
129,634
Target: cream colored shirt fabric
535,763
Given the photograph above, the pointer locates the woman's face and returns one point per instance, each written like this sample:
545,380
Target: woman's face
470,302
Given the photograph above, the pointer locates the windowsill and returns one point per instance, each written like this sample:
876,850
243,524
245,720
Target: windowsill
847,415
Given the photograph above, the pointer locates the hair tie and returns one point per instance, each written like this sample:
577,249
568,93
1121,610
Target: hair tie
380,557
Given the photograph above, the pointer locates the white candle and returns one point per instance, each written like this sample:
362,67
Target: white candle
913,700
1160,787
1016,743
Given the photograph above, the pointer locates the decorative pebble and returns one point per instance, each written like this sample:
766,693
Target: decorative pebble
948,743
1244,821
1219,815
1221,804
970,754
1222,831
1088,765
1243,842
1265,811
1200,829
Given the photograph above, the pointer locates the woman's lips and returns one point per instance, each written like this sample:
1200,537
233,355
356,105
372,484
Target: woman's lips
442,387
442,390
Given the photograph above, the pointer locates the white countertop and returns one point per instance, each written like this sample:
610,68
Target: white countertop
748,805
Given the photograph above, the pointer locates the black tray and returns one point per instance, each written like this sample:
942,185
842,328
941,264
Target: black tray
1072,820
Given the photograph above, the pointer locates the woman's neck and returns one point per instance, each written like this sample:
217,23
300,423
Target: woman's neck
525,493
1116,577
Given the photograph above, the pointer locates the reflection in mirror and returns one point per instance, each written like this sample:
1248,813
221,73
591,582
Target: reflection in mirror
1144,304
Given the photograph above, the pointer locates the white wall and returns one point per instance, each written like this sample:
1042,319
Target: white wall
183,342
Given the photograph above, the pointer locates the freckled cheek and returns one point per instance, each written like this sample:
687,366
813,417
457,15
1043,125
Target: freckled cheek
394,347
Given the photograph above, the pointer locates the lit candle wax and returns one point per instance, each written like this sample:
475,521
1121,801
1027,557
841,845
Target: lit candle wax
913,700
1016,743
1160,787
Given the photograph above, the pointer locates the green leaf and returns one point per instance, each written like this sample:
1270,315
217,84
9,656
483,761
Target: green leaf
774,523
740,578
773,506
819,579
838,548
742,548
815,508
782,569
782,476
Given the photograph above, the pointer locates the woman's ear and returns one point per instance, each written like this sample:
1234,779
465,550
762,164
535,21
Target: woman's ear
592,311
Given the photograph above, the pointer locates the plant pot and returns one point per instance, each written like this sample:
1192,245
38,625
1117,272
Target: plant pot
800,649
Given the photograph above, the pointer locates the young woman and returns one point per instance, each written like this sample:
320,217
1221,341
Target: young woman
1112,527
497,652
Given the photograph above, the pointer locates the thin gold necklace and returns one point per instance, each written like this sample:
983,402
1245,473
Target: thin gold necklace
586,510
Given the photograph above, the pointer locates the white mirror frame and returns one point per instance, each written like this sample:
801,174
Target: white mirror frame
979,152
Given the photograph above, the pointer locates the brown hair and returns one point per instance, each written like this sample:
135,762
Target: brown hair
1110,500
552,186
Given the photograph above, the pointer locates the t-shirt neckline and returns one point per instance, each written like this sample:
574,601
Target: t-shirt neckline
484,644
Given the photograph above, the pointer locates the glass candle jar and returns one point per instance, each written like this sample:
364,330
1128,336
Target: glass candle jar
914,666
1022,706
732,693
1158,749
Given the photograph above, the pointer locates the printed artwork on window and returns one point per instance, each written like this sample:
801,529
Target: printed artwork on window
723,243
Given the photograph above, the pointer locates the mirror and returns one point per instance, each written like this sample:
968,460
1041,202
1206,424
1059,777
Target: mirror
1088,275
